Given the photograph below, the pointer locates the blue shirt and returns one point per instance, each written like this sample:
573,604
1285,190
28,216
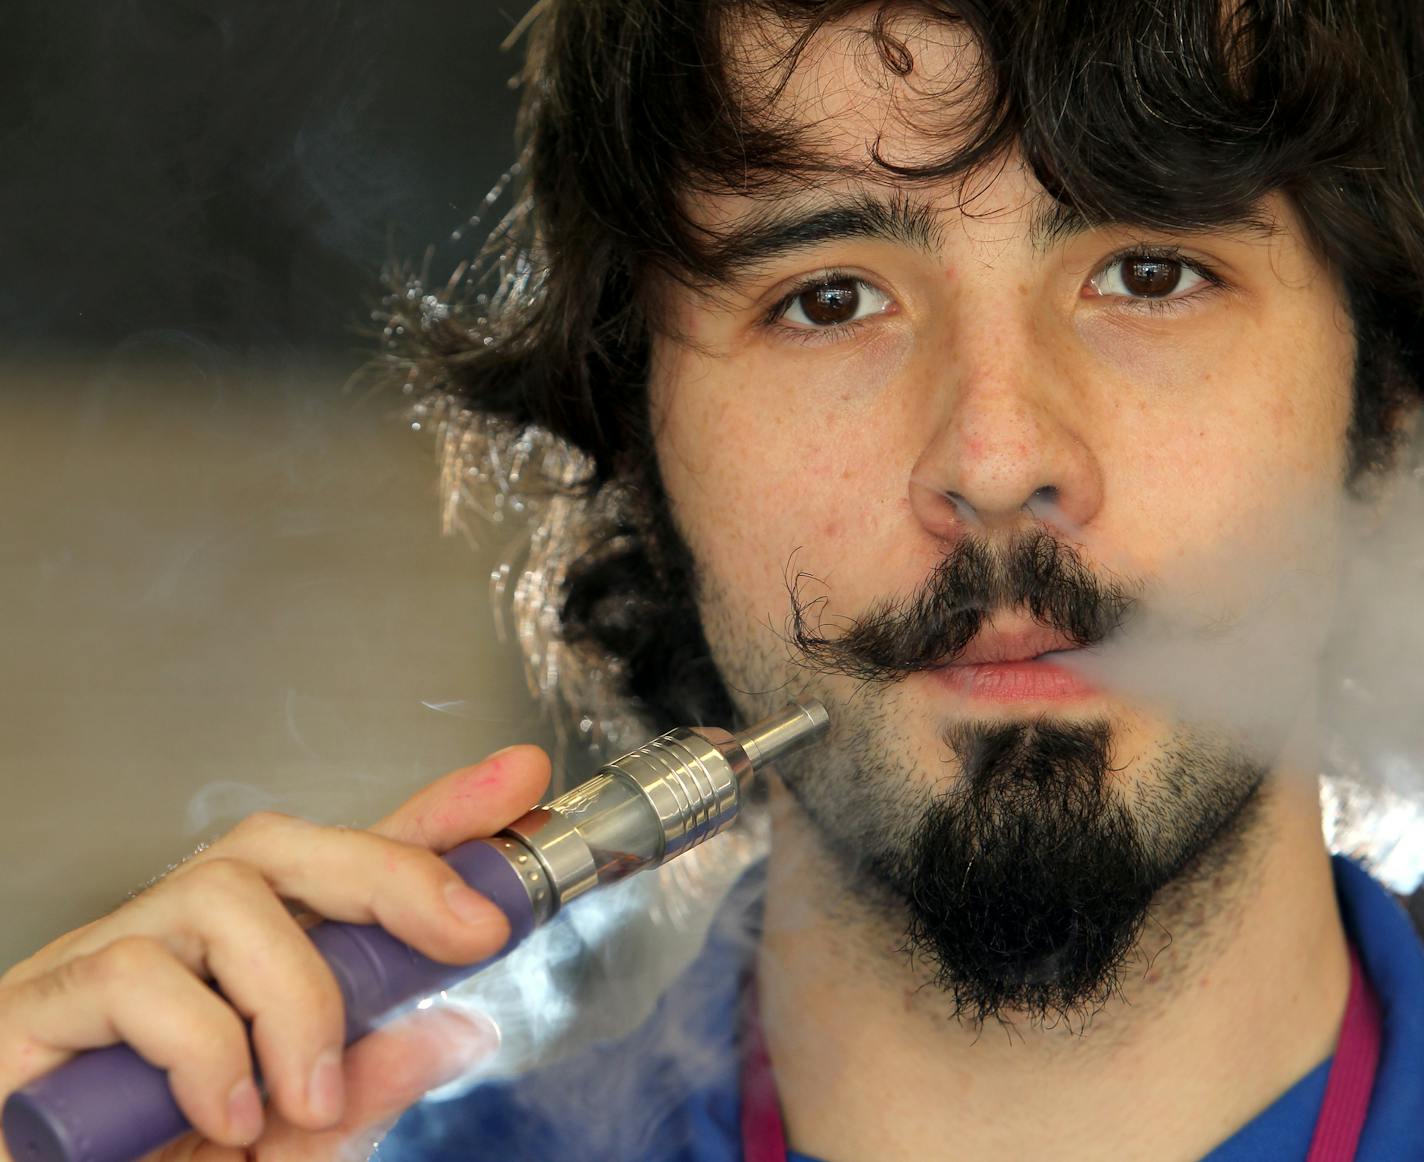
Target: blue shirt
670,1092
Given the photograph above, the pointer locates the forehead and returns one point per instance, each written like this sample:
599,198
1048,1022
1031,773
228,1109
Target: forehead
903,112
875,89
853,104
1047,118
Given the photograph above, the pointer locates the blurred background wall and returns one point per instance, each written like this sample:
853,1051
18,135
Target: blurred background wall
222,578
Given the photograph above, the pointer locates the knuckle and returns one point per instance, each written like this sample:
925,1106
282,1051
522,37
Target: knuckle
224,876
127,959
261,823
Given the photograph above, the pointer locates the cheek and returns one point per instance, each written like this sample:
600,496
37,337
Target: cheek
768,477
1234,440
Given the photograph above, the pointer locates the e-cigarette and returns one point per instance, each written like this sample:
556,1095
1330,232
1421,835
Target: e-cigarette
638,811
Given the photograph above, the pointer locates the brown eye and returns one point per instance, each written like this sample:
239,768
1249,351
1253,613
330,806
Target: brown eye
831,303
837,301
1148,276
1151,278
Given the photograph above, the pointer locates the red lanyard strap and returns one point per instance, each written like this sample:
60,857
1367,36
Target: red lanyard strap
763,1136
1352,1074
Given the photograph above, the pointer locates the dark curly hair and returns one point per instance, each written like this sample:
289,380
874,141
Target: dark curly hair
1175,114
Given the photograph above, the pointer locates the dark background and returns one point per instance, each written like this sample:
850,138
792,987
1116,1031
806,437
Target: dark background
223,580
232,174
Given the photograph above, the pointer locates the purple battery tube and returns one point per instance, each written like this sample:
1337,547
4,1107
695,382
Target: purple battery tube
112,1105
109,1105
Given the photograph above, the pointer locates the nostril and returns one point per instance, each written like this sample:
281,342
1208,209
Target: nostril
1043,504
933,503
963,508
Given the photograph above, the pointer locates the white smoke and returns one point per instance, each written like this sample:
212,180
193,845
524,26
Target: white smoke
1243,642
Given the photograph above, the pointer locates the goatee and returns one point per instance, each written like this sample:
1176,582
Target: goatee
1027,876
1027,885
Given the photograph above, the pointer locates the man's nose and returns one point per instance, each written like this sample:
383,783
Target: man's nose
1009,447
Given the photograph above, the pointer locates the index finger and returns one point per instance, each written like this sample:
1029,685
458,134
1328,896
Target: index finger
471,802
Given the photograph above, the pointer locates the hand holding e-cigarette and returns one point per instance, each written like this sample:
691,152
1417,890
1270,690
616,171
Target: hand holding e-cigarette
234,914
412,918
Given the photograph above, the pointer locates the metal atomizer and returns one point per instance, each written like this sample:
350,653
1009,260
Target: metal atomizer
637,812
645,808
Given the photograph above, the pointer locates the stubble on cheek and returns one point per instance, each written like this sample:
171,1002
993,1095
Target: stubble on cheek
741,480
711,504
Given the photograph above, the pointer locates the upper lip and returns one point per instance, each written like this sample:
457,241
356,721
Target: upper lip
994,644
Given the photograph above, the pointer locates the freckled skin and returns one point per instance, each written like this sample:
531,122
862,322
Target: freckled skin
1162,436
997,371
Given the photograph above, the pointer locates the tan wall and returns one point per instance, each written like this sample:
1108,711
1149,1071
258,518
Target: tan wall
219,593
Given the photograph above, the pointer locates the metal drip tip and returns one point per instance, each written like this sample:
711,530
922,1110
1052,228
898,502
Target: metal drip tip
773,737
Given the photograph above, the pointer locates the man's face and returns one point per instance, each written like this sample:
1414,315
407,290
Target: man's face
919,400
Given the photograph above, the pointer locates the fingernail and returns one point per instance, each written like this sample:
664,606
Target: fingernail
325,1091
479,1039
468,904
461,1042
244,1111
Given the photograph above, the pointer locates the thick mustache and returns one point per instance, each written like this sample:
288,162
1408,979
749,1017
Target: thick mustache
1037,573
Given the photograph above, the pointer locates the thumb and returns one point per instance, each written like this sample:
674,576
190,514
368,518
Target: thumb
387,1072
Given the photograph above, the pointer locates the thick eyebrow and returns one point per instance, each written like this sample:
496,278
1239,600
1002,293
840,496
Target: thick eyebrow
767,235
1057,222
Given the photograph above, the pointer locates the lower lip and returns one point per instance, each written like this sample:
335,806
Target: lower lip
1031,681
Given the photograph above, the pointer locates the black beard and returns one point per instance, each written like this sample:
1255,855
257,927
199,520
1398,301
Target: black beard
1027,884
